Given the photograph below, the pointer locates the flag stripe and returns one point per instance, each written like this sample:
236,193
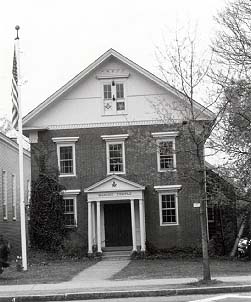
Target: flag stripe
14,93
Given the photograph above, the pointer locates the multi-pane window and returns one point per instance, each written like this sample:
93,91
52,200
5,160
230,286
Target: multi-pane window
166,155
116,162
168,204
69,212
107,91
114,98
14,197
66,160
66,155
4,195
119,91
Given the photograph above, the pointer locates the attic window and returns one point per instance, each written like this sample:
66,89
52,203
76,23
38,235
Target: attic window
114,97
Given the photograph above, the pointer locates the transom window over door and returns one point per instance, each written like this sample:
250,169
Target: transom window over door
114,98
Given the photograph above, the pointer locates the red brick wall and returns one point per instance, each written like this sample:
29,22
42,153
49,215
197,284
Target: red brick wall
141,167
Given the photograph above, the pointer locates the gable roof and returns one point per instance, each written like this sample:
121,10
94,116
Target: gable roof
110,53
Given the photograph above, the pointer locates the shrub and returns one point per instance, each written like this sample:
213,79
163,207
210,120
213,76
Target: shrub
46,225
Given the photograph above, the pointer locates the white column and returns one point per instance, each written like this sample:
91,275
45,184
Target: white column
142,225
89,227
98,228
134,247
93,224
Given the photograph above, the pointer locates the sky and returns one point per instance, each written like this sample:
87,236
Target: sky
58,39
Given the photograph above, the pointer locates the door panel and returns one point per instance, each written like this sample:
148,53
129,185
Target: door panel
118,230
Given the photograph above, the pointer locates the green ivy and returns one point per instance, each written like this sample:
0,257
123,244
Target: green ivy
46,225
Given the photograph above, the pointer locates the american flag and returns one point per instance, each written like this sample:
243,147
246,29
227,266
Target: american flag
14,93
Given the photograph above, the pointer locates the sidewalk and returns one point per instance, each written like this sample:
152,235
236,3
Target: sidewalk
93,283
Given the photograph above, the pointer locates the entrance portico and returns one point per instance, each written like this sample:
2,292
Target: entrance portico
116,214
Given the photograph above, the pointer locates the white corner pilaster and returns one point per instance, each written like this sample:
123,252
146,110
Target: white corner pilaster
142,225
134,246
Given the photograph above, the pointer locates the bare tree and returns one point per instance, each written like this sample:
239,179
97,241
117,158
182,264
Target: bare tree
184,65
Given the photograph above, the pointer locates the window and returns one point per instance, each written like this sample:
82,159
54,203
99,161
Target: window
114,98
166,155
166,150
116,162
69,212
115,153
66,159
66,155
14,196
168,208
168,204
4,195
70,207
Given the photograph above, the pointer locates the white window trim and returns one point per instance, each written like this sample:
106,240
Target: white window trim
108,143
174,154
165,137
66,142
115,139
168,190
14,197
175,193
72,194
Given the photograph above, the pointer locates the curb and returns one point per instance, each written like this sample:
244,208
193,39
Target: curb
126,294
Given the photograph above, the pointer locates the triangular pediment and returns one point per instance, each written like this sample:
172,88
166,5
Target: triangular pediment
47,113
114,183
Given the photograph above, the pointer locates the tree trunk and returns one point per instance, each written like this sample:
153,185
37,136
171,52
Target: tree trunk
241,229
204,240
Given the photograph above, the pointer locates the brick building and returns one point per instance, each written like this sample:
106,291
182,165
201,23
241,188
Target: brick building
124,167
10,193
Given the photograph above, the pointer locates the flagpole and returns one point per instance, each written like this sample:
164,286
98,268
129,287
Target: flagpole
21,159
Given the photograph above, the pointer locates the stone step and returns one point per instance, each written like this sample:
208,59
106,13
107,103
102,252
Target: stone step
116,255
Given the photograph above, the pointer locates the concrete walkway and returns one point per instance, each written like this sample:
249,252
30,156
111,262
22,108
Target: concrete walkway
102,270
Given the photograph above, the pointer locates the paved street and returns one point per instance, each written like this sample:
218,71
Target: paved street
245,297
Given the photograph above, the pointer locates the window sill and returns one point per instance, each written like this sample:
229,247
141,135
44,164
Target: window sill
169,224
112,173
71,226
67,175
168,170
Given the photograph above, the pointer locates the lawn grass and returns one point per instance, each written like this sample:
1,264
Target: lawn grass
177,268
44,268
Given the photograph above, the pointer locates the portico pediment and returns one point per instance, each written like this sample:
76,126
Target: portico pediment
114,188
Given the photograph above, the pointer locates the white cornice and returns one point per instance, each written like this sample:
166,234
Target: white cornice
168,188
165,134
115,137
108,124
65,139
70,192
